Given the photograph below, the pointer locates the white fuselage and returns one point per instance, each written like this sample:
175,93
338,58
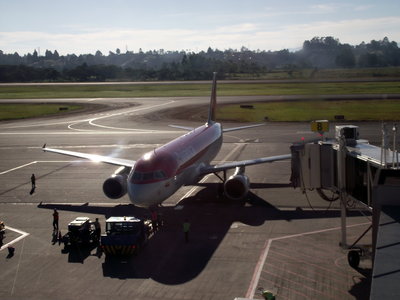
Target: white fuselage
160,173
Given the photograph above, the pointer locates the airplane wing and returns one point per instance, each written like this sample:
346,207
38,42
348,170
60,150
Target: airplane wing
243,163
93,157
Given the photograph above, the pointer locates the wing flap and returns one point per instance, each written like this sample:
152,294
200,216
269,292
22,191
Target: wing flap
93,157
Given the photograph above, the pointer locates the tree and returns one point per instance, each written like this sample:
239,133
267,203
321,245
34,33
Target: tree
368,60
48,54
346,58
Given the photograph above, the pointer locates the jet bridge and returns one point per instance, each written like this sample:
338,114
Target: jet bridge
355,170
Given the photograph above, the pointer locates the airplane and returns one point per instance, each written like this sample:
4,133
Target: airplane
158,174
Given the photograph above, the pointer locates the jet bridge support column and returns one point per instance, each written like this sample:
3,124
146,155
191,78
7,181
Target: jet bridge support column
341,181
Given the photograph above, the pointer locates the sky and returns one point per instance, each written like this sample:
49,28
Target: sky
85,26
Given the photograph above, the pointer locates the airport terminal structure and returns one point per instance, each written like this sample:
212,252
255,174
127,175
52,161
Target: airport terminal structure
355,170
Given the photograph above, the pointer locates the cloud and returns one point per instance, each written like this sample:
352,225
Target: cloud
351,31
252,35
324,8
363,7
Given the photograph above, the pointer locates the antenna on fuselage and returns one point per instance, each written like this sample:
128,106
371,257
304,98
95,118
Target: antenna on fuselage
213,101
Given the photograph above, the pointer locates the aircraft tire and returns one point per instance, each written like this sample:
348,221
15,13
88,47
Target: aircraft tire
353,257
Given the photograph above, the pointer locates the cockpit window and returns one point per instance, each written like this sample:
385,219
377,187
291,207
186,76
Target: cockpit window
159,175
137,176
147,176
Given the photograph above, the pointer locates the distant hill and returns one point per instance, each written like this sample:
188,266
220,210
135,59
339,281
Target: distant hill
317,53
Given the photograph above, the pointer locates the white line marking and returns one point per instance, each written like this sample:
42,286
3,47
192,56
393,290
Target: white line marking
42,161
193,189
260,264
90,120
23,166
23,234
126,112
19,263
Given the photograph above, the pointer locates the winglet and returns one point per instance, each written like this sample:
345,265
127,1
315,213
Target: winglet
213,100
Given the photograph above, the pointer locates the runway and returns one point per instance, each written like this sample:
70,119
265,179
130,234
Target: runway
274,240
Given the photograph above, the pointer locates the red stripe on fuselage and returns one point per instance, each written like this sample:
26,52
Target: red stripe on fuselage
184,151
190,148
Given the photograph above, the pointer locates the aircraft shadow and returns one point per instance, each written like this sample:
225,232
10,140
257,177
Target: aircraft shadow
167,258
253,186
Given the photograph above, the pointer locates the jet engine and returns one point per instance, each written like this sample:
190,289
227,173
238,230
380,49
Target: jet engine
237,185
115,187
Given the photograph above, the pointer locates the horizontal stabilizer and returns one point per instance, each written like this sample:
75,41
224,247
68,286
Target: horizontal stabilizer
242,127
182,127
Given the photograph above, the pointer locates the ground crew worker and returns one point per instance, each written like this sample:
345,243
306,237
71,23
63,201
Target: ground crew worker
186,229
97,229
2,230
33,181
154,220
55,219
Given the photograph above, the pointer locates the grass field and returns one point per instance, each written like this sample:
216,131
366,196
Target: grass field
185,90
360,110
22,111
280,111
337,73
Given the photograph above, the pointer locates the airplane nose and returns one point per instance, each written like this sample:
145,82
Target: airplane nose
142,195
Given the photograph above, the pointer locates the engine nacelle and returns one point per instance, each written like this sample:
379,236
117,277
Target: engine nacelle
115,187
237,186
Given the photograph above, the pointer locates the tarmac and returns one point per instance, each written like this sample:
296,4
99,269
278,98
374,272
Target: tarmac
277,239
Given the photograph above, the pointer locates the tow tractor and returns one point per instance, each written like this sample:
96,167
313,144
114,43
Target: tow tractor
81,231
125,235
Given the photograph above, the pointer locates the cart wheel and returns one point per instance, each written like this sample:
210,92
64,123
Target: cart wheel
353,257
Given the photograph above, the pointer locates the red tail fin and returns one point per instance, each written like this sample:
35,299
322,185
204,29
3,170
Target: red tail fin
213,100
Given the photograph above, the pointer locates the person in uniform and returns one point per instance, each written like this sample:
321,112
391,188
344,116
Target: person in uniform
33,181
97,229
55,219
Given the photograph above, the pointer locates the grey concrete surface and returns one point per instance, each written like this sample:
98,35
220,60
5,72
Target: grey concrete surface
276,239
